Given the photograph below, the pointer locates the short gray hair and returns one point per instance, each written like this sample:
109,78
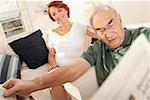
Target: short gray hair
98,8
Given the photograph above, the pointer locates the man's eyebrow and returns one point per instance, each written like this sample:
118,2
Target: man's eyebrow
103,28
97,29
110,21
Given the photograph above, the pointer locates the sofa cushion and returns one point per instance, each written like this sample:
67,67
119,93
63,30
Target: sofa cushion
32,49
9,67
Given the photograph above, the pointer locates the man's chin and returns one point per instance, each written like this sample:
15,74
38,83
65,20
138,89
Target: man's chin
114,46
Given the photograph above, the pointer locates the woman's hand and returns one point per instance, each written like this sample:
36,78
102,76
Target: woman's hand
53,67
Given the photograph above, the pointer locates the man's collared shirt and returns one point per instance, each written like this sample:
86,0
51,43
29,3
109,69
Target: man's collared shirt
105,59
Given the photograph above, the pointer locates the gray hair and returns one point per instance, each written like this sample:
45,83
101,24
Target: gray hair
99,8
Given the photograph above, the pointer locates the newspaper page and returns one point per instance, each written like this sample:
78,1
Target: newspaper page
130,80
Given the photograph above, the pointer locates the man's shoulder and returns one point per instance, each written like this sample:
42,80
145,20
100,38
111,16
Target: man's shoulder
139,29
144,29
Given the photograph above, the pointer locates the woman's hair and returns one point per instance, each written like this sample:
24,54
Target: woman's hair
57,4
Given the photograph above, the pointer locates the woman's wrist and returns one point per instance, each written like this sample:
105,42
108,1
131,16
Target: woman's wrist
55,65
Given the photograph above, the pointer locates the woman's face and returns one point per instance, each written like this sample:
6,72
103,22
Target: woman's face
59,14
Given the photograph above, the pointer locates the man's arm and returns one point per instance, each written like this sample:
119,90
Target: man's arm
90,32
61,75
55,77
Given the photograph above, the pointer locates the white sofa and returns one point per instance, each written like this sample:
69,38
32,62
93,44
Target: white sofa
81,89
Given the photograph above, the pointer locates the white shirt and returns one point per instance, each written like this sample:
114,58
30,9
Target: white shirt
68,46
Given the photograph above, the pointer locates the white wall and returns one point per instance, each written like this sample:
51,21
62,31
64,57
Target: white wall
39,20
133,11
149,10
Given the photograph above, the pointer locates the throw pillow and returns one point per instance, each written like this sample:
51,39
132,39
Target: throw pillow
31,49
9,67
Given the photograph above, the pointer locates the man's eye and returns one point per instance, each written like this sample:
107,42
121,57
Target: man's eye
101,30
111,25
98,29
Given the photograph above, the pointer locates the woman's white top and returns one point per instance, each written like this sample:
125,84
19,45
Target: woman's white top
68,46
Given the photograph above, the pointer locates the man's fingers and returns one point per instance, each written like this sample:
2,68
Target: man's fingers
8,84
90,30
10,87
10,91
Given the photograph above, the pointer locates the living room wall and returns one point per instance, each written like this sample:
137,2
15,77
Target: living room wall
131,11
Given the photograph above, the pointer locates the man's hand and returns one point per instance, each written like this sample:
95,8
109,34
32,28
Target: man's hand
19,87
90,32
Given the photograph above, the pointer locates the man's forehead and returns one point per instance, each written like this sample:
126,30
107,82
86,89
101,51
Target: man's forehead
102,17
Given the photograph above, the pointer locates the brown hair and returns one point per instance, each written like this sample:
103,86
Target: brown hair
58,4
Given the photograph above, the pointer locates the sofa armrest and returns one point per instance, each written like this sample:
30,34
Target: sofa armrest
87,84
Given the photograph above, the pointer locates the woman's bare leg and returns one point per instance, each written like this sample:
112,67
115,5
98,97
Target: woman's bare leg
59,93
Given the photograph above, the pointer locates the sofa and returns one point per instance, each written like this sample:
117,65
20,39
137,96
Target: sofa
81,89
78,90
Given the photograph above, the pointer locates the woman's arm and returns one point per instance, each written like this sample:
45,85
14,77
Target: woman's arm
51,59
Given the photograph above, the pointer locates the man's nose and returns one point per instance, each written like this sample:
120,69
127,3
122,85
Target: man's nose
108,34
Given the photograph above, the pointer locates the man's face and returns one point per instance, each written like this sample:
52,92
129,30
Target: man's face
108,27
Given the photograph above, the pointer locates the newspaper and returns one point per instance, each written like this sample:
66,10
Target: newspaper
130,80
